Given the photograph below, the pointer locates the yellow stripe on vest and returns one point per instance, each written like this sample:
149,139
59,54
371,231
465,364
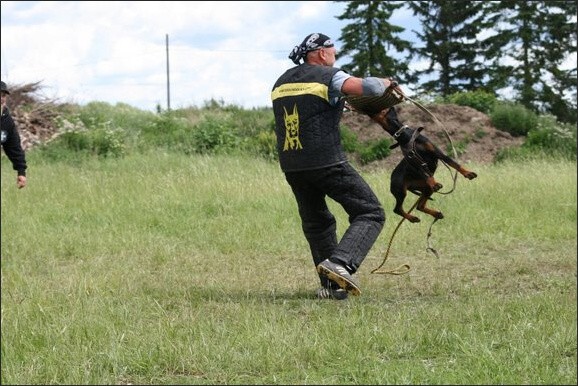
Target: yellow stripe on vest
294,89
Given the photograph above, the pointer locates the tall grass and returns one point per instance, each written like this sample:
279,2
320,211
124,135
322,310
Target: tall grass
171,269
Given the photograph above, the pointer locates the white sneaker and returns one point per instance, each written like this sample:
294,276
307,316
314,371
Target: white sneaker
340,275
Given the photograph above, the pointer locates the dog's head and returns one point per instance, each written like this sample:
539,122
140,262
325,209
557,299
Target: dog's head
388,120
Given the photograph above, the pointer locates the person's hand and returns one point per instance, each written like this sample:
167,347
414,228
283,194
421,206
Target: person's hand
390,82
387,82
21,182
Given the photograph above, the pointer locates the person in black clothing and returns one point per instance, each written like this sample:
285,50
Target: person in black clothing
308,104
11,141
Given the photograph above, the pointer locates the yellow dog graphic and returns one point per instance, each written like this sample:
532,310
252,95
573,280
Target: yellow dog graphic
292,141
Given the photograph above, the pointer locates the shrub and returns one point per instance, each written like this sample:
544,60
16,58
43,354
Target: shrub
553,137
516,153
513,118
168,131
374,151
348,139
550,139
102,142
459,147
264,144
214,135
480,100
121,115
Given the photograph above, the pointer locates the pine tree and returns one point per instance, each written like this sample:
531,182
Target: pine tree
372,43
534,38
558,95
450,32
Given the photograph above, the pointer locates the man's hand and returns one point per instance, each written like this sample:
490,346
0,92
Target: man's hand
21,182
388,82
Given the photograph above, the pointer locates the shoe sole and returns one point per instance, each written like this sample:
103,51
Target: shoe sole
342,282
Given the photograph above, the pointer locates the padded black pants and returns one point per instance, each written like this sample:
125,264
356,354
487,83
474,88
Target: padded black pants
343,184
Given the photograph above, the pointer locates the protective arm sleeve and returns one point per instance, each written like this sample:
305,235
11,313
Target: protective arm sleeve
372,86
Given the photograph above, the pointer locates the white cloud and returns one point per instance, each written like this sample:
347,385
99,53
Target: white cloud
84,51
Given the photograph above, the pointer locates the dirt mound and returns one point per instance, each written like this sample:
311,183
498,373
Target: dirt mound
471,132
33,115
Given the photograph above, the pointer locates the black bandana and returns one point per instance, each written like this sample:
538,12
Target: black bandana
312,42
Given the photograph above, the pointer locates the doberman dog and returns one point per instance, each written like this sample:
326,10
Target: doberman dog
415,172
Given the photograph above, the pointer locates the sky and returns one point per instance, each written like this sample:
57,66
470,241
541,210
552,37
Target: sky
117,51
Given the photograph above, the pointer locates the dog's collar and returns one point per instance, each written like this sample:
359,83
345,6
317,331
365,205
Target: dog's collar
398,133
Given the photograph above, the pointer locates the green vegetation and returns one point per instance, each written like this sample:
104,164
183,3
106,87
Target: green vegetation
514,118
100,129
367,152
166,249
485,47
480,100
545,135
167,268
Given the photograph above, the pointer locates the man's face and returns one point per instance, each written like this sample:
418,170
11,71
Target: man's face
4,98
330,55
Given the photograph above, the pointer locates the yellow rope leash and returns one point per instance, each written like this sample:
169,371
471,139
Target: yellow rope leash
404,268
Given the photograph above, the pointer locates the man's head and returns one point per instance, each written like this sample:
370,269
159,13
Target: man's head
4,94
316,41
4,88
316,48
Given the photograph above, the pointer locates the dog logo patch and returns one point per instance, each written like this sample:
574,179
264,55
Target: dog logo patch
292,141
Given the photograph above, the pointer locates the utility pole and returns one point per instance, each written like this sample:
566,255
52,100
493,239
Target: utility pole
168,81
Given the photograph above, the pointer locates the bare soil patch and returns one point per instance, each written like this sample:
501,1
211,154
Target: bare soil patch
470,131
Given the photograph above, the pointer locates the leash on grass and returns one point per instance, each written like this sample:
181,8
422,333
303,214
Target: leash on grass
404,268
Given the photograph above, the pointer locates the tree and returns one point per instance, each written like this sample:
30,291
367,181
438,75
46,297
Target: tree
535,39
372,43
450,31
558,94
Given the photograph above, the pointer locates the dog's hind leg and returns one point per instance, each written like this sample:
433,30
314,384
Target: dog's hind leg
400,192
398,188
421,206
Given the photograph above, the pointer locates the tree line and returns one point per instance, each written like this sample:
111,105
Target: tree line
511,46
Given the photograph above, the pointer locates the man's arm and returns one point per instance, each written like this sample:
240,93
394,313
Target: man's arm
370,86
13,146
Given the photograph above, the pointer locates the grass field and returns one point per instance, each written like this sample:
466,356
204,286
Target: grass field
170,269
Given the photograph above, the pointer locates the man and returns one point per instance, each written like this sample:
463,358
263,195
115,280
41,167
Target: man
10,139
307,103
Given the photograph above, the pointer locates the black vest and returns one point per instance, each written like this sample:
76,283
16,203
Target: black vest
306,125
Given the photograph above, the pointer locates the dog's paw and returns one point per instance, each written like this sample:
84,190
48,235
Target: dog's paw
412,219
470,175
433,184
